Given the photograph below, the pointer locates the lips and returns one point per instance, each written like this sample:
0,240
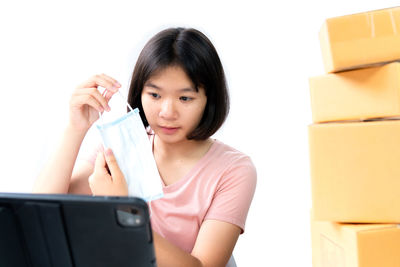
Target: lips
169,130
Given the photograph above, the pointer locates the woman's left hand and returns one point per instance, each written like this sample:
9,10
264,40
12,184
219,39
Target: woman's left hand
107,182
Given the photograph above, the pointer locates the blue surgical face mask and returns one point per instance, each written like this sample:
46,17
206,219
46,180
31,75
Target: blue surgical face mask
127,138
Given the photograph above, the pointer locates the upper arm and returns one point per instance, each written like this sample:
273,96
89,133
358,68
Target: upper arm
226,216
232,199
215,242
79,181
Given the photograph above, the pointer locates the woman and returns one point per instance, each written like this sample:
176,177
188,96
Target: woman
179,86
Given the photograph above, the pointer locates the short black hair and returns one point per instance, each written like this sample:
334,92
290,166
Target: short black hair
195,54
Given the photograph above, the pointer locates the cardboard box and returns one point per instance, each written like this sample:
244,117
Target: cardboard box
356,95
359,40
355,245
355,171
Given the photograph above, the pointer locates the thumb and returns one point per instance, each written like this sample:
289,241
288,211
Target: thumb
116,172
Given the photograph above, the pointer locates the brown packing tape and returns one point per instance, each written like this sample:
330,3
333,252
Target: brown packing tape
368,25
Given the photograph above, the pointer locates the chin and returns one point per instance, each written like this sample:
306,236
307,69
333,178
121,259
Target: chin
171,138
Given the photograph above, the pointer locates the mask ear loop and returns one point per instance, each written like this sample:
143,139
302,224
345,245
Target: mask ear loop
122,96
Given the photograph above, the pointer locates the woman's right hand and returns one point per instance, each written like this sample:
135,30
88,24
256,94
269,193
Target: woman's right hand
86,101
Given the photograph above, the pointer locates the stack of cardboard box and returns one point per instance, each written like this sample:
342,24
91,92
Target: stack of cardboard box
355,142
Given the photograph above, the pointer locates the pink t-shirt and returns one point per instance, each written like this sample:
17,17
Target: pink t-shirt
219,187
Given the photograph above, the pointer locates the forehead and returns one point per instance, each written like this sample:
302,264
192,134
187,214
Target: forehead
172,75
172,78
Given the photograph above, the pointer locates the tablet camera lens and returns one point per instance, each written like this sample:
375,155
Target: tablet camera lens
128,219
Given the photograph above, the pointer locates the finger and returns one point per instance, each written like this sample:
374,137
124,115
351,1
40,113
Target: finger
103,81
92,181
111,80
100,165
87,100
100,161
108,95
97,169
116,172
95,94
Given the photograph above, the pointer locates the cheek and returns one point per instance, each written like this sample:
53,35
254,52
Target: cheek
196,114
146,109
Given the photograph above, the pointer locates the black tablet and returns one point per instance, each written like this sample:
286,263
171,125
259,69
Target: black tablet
74,231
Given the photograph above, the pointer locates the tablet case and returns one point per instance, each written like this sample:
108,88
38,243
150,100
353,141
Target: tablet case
74,231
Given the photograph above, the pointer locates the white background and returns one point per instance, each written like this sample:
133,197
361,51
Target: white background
268,49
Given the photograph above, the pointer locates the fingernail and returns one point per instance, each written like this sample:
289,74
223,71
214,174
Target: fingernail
108,108
109,152
117,84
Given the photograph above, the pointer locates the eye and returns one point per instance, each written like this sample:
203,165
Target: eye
154,95
185,98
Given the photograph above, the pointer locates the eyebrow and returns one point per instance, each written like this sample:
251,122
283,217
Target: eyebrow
186,89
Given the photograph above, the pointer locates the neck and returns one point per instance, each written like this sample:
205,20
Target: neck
186,148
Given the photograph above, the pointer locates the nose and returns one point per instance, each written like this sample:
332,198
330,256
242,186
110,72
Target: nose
168,111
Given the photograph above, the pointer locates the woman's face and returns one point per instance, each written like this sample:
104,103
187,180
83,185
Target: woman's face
172,106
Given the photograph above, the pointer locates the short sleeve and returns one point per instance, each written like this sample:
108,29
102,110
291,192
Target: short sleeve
234,194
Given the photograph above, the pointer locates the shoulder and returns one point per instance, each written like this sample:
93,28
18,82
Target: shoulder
231,156
235,163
